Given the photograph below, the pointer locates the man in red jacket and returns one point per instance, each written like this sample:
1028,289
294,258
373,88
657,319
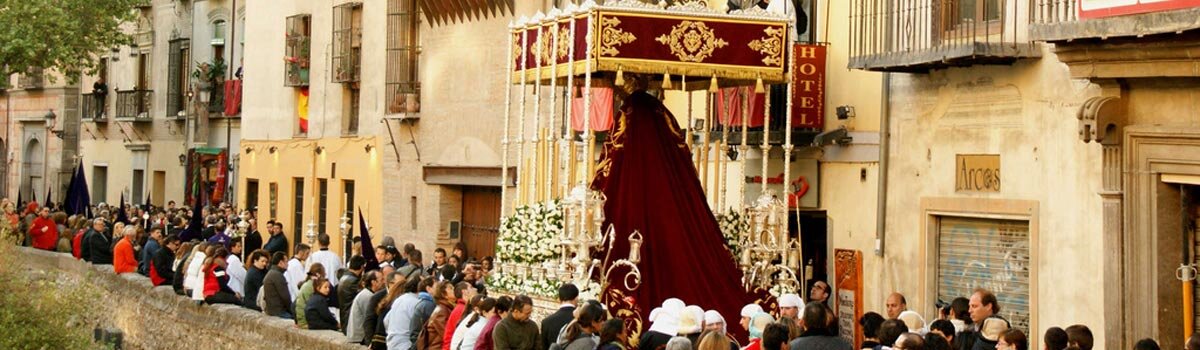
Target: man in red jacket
44,231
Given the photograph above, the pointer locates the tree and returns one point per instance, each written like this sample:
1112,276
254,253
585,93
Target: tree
68,36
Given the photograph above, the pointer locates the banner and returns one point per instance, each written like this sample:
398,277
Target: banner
808,92
848,274
1109,8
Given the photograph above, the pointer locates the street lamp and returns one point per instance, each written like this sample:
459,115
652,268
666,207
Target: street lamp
344,227
51,118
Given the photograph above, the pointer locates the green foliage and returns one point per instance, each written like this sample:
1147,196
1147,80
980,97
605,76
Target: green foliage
39,312
68,36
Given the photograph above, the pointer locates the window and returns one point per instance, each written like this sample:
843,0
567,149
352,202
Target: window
143,67
218,35
347,42
971,17
412,219
403,53
138,183
348,211
251,195
323,195
99,183
299,36
989,254
177,74
298,209
273,196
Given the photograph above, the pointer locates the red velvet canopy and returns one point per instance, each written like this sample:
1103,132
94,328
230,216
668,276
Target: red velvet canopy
651,185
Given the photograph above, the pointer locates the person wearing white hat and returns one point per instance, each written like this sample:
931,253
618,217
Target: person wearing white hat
691,323
715,323
758,323
748,311
914,321
789,306
663,326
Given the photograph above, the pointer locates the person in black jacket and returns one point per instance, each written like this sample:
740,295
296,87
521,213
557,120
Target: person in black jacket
85,249
161,269
349,287
254,279
100,245
253,239
317,311
551,325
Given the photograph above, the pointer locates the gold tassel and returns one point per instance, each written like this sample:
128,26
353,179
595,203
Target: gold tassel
758,86
620,77
713,87
666,80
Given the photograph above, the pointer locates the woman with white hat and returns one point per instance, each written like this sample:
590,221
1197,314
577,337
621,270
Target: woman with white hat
758,323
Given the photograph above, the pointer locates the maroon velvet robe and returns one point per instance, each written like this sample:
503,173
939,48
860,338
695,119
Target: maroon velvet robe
648,177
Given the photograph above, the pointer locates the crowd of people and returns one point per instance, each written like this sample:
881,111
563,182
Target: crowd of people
399,300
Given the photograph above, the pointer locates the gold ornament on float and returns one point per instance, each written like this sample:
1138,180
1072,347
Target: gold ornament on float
692,41
771,46
611,36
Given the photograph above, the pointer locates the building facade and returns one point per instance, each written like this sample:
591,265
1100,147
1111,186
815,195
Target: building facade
41,139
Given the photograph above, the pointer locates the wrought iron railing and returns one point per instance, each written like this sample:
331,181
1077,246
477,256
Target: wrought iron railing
91,107
918,35
216,99
134,104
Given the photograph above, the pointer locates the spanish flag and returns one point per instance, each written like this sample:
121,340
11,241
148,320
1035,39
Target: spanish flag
302,109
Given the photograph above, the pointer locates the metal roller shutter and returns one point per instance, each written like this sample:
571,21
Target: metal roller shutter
985,253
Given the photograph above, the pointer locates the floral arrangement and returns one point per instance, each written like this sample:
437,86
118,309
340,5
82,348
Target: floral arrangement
781,289
510,282
733,225
530,235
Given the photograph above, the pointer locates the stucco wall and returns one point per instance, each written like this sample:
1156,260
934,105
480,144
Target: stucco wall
1026,114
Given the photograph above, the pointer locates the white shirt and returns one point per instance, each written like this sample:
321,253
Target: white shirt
237,274
294,275
466,337
194,276
330,261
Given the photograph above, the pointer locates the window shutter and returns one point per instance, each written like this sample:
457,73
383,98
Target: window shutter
989,254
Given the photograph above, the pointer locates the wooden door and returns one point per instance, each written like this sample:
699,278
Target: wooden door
481,220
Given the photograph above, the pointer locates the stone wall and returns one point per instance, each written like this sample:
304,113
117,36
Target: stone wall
157,318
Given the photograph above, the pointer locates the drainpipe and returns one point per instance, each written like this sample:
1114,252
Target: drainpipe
884,142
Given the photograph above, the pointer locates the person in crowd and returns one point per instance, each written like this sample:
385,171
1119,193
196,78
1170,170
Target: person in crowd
149,250
98,249
664,324
914,321
960,314
567,298
612,335
216,279
44,231
678,343
463,293
349,287
331,260
468,331
397,286
896,303
315,272
691,323
277,242
371,282
193,280
934,341
789,306
405,253
870,323
747,312
460,252
1055,339
236,268
817,334
891,330
1079,336
984,309
909,341
413,270
449,274
399,322
255,277
124,260
1146,344
583,334
1193,342
77,241
487,339
485,267
473,274
296,269
1013,339
516,331
775,337
277,297
758,324
316,311
943,328
439,260
714,322
381,254
161,268
182,257
424,308
819,292
253,239
434,331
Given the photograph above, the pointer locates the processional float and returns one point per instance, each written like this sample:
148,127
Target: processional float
556,56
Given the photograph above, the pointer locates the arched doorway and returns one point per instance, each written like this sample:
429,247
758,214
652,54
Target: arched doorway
33,183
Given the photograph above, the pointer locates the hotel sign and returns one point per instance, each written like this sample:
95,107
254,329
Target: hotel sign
977,173
1108,8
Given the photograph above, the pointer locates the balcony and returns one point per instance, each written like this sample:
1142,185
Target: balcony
134,105
1059,20
34,79
921,35
91,108
216,99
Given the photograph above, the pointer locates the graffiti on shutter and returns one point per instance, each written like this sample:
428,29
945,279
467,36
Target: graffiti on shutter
989,254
